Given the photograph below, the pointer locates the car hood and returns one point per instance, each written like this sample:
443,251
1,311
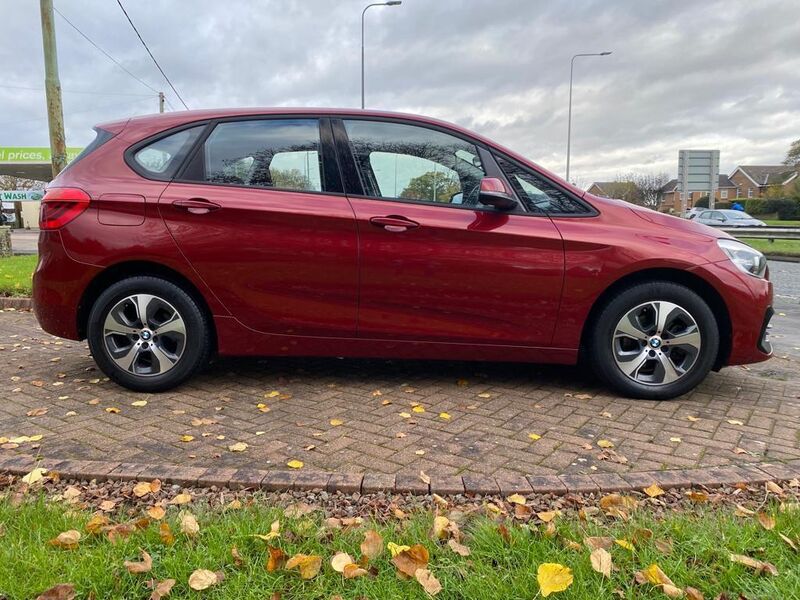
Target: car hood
664,220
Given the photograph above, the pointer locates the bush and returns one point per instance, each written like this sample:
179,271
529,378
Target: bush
722,205
754,206
784,208
702,202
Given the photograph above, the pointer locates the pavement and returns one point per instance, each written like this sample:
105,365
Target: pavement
24,241
390,420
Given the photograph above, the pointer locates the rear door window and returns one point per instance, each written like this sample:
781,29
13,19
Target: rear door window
273,153
162,158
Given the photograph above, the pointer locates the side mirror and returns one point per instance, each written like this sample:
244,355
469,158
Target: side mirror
493,192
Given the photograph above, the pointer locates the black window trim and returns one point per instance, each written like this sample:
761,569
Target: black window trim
591,210
329,157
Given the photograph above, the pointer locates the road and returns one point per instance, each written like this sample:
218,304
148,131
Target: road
785,276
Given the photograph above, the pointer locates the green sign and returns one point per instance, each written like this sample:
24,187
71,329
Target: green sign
20,195
14,154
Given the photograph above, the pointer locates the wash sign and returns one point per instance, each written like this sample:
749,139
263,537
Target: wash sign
29,154
20,195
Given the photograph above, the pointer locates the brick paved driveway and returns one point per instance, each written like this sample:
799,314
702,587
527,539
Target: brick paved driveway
737,416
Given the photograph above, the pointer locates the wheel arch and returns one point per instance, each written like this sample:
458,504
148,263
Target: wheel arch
692,281
124,270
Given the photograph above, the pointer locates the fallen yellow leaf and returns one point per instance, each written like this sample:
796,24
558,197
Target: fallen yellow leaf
308,564
139,403
553,577
653,491
295,464
335,422
202,579
144,566
534,436
605,444
238,447
517,499
601,561
445,416
419,409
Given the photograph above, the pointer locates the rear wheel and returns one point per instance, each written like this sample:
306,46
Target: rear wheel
654,340
148,334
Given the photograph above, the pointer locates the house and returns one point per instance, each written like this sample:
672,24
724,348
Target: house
671,197
754,181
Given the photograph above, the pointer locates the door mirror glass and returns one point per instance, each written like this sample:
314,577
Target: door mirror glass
493,192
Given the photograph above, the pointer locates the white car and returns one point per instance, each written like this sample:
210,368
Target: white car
728,218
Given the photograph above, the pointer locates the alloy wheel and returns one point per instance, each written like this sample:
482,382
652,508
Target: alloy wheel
656,343
144,335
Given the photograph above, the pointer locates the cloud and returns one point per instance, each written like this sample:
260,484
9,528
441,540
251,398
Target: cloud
682,74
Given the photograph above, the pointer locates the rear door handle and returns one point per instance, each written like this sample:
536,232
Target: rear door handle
394,223
197,206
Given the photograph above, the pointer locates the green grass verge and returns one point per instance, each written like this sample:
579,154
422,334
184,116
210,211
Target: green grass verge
778,247
779,223
15,275
497,569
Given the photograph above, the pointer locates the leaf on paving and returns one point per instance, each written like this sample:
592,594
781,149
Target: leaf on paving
377,393
36,412
139,403
340,560
607,415
144,566
738,450
67,539
262,407
553,577
113,410
274,532
372,546
735,422
295,464
484,395
161,589
62,591
605,443
601,561
277,558
156,512
187,438
272,394
202,579
653,491
419,452
675,440
189,525
418,409
458,548
34,476
386,402
335,422
165,533
411,559
445,416
238,447
308,564
583,396
760,567
352,571
767,522
199,422
428,582
424,478
405,415
534,436
182,498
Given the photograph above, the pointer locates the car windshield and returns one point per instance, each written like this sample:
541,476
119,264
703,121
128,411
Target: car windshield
737,215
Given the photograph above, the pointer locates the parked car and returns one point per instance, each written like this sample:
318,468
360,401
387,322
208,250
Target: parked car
299,232
728,218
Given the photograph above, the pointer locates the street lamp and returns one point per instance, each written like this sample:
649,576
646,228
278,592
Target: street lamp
569,118
363,12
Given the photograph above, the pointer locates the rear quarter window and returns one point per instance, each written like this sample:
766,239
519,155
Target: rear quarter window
161,158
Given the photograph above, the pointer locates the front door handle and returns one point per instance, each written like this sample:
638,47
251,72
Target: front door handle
197,206
394,223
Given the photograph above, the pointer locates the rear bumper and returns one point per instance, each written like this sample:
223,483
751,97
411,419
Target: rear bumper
58,285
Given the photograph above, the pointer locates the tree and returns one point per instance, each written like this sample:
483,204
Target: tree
622,188
793,155
649,186
290,179
433,185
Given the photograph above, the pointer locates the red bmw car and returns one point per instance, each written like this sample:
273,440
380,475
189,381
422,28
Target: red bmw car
306,232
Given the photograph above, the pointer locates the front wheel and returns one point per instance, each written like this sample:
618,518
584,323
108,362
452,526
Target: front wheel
654,341
148,334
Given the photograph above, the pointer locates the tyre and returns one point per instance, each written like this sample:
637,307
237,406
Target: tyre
148,334
654,341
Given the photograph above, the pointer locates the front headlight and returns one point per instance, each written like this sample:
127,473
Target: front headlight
748,259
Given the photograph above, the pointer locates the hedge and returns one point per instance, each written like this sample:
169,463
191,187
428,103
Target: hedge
785,208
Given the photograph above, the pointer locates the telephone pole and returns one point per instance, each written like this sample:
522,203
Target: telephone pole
55,110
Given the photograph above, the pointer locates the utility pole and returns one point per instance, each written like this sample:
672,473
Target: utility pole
55,110
160,102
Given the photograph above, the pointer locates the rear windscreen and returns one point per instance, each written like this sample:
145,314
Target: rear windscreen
101,138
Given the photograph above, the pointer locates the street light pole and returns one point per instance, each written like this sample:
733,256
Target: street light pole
569,117
363,12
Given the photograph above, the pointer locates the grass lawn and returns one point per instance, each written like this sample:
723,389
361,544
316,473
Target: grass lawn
692,548
778,223
779,247
15,275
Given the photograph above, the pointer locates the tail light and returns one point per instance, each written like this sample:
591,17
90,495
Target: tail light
62,205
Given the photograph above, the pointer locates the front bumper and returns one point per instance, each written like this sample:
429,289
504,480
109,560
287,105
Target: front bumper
58,286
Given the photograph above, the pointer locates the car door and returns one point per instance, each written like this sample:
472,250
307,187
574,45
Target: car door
258,212
435,265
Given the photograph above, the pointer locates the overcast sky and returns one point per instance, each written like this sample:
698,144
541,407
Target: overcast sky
683,74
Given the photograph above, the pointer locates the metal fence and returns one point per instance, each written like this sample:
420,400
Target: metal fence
764,233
